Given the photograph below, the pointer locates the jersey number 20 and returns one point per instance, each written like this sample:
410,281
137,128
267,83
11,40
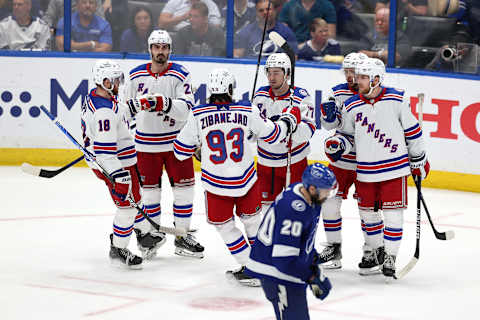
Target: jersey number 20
216,141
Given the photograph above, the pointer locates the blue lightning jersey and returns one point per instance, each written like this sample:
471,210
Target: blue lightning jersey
285,244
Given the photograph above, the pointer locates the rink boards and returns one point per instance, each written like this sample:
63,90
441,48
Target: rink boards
450,112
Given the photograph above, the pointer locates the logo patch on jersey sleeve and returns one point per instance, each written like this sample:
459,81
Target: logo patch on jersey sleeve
298,205
303,92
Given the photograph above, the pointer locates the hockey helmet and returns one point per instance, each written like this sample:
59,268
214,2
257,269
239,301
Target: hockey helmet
279,60
321,177
220,81
157,37
107,69
352,59
371,67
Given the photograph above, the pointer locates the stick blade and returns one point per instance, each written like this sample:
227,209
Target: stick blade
449,235
276,38
29,169
406,269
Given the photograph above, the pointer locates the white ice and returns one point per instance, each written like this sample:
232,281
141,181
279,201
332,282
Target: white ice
54,262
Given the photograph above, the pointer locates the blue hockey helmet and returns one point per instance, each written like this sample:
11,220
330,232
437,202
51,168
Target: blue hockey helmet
319,176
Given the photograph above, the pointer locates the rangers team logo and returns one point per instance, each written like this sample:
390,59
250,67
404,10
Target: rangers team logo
298,205
303,92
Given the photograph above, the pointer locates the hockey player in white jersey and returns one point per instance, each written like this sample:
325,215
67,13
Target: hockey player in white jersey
284,255
221,129
271,100
344,168
389,147
105,134
165,87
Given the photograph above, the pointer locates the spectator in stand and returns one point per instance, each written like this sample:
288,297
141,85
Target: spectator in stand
200,38
473,18
247,41
135,38
243,14
116,13
348,22
406,7
5,9
89,31
320,44
21,31
299,14
175,14
278,5
379,44
55,11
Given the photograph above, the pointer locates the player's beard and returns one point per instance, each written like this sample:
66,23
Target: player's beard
160,58
115,90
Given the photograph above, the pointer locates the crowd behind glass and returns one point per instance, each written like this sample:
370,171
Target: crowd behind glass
436,35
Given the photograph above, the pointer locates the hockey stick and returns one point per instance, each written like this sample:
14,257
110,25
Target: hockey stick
282,43
90,157
44,173
447,235
418,184
261,50
416,255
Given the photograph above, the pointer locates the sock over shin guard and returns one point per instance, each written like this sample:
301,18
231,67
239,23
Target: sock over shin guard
151,200
123,226
183,206
392,235
235,241
332,219
373,226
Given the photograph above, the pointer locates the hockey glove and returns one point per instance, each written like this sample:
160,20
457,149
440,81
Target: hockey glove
161,104
420,166
291,116
123,184
319,284
144,102
334,148
329,111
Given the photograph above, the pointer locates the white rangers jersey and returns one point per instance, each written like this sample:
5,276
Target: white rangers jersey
228,166
155,132
340,93
105,133
35,36
385,134
271,107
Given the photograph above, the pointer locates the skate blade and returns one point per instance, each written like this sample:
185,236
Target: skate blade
370,271
254,282
332,265
389,279
121,265
186,253
149,254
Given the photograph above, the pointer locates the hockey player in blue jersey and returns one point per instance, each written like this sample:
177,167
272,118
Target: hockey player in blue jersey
284,256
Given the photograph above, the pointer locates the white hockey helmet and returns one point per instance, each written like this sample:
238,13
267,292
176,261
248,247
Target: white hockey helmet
107,69
352,59
220,81
279,60
371,67
159,36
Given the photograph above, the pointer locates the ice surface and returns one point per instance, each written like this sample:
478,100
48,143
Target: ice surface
54,262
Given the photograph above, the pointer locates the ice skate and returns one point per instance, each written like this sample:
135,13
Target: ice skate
188,247
148,243
331,255
122,257
242,278
388,268
372,262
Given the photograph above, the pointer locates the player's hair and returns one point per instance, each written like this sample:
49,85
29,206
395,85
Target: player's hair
317,23
201,7
220,98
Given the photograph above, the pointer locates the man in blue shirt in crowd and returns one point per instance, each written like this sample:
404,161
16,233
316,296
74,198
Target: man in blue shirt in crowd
243,14
320,45
299,14
283,256
89,31
247,41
